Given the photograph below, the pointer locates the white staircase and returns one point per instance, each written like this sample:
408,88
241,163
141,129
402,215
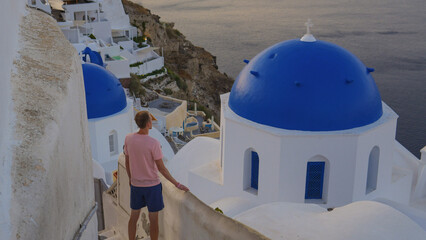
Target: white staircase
112,234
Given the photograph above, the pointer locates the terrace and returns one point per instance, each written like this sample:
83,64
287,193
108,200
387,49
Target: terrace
177,124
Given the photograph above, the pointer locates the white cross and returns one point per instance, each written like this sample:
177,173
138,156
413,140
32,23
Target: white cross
308,25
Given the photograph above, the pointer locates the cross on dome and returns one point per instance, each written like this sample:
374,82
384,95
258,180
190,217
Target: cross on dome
308,37
308,25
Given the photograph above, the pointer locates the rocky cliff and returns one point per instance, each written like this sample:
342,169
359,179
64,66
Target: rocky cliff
202,81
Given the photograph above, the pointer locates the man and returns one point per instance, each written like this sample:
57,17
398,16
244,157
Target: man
144,160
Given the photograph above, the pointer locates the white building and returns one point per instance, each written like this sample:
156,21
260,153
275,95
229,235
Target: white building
304,123
40,4
111,117
103,26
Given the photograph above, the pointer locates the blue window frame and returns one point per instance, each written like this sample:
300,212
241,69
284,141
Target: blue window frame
254,170
314,180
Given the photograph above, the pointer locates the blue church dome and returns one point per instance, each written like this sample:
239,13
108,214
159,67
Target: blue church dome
104,94
308,86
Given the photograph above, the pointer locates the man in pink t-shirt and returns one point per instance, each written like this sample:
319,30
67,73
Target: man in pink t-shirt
144,160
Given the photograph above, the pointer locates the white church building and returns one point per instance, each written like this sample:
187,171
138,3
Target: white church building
304,123
111,117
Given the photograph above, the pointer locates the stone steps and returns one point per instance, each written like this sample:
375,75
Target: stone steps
110,234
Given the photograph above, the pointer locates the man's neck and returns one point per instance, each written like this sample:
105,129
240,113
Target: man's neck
144,131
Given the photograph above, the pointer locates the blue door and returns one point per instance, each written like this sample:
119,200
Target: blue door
314,180
254,170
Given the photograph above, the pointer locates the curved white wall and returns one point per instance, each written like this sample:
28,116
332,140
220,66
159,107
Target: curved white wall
284,154
11,14
46,171
100,129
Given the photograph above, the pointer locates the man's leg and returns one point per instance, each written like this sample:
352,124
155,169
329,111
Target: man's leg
134,216
153,225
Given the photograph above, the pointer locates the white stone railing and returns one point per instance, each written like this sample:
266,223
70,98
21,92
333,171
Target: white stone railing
148,66
184,216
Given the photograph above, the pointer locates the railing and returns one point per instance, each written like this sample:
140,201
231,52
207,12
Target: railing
149,66
86,221
184,215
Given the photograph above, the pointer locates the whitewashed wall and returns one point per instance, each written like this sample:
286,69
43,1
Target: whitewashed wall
47,183
100,129
283,157
11,13
120,68
184,216
148,67
101,30
114,12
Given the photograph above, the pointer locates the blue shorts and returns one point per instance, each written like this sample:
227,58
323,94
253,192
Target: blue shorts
152,197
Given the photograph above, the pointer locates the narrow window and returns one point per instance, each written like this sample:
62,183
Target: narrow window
113,148
254,170
314,180
251,171
373,170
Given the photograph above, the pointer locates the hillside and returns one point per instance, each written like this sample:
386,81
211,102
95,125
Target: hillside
193,68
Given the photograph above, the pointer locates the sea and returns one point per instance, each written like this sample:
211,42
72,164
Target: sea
387,35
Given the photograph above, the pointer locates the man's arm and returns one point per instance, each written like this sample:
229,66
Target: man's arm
165,172
128,168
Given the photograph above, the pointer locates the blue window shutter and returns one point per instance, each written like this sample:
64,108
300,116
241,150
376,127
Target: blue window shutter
314,180
254,170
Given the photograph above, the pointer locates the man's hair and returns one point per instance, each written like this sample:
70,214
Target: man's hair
142,118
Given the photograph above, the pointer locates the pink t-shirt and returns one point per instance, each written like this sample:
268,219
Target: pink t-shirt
143,150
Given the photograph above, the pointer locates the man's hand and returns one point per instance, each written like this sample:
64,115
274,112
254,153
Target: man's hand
163,170
182,187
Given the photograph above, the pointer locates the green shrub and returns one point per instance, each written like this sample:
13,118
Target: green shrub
167,91
139,39
201,108
205,110
136,64
179,82
152,73
143,27
177,32
217,209
135,87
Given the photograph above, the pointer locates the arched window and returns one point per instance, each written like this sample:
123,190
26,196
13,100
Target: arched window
314,180
373,170
113,142
317,171
254,181
251,171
